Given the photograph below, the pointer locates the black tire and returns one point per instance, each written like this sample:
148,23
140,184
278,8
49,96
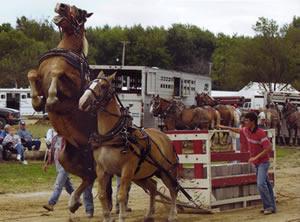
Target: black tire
2,122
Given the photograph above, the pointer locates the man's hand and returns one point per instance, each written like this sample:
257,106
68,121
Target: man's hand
252,159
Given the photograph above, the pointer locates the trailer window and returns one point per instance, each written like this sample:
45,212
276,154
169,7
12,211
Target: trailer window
2,96
28,95
23,96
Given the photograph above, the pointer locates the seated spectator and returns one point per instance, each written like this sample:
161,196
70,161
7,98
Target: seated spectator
26,138
12,142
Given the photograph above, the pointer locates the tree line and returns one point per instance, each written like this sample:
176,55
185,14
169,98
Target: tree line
272,55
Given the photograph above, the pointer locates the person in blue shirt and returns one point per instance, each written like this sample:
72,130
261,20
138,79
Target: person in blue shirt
26,138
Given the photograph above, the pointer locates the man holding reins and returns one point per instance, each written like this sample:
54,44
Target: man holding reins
259,147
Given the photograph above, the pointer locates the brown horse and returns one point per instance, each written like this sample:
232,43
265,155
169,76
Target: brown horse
134,154
229,116
57,85
176,116
274,119
292,117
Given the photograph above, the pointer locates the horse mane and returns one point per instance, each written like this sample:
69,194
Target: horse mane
85,48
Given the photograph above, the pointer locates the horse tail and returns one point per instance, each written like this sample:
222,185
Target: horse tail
236,118
218,117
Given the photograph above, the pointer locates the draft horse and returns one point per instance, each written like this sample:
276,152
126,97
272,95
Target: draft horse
176,116
57,84
133,154
274,120
292,117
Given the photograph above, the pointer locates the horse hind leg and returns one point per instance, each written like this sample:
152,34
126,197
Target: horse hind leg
173,193
149,185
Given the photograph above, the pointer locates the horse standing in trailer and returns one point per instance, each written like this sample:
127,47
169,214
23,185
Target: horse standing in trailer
57,85
133,154
176,116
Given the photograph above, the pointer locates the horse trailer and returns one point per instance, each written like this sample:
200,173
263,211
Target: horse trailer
19,99
137,84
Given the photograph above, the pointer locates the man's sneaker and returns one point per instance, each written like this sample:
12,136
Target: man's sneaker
89,215
19,157
48,207
24,162
268,211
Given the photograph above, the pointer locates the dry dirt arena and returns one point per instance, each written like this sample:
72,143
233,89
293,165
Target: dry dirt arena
27,207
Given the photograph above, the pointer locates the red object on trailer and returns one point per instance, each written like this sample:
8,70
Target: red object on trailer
231,100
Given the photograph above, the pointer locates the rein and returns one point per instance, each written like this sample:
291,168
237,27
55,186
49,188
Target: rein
79,62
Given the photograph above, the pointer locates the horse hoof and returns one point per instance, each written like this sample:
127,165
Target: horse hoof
149,219
75,207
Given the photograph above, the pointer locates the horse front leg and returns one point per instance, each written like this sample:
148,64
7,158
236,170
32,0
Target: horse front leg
104,179
74,201
290,136
126,178
38,102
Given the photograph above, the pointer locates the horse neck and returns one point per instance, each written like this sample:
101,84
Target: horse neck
106,121
72,42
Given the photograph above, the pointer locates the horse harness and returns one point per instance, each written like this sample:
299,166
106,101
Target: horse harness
76,60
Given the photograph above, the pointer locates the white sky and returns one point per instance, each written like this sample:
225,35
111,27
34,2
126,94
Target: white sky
227,16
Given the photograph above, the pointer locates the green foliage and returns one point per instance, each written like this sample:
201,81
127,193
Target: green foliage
273,55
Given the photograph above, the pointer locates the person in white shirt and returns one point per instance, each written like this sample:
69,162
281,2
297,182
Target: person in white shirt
262,119
55,144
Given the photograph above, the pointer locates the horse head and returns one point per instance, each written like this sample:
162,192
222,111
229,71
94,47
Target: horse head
99,93
70,18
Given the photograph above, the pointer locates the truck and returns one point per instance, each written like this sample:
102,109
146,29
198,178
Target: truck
280,98
136,85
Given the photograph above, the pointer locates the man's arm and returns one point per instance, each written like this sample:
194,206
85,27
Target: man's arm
233,129
261,154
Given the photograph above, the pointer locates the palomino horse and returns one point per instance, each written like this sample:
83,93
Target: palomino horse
134,154
292,117
176,116
57,85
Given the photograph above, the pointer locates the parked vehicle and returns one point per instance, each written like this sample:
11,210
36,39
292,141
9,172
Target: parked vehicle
9,116
137,84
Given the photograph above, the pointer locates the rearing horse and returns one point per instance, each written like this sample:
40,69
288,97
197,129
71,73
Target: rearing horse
57,85
132,153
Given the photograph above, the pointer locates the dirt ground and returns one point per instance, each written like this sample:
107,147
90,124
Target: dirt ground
27,207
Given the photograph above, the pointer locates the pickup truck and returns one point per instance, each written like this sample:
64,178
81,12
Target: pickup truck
9,116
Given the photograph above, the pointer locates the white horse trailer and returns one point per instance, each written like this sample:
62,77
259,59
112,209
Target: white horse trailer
137,84
18,98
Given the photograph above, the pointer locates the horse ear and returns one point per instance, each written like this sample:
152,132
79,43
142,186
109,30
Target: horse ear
112,77
89,15
101,75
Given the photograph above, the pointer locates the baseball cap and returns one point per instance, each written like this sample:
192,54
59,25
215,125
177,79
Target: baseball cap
22,122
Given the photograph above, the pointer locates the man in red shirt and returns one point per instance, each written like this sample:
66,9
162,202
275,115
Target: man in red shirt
259,147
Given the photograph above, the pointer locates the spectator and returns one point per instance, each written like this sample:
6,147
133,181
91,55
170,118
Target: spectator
1,139
13,143
262,123
56,144
27,139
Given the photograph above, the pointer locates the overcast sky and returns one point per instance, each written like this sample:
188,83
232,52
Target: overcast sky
227,16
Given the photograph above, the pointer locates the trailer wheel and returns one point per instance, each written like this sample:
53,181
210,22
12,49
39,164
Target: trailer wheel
2,122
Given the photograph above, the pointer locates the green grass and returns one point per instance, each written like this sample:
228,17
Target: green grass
284,151
39,129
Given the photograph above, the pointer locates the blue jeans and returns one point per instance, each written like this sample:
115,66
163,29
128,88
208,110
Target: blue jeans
20,150
264,186
63,180
33,144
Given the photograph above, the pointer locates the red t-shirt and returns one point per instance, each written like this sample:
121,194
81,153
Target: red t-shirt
257,142
243,142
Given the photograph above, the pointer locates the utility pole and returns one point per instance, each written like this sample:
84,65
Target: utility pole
123,53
